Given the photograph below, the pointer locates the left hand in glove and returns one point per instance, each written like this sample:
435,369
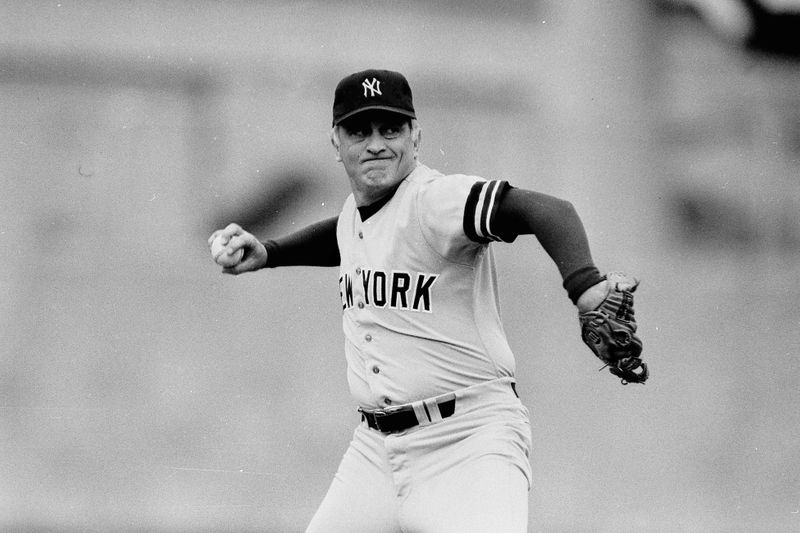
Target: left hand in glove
609,330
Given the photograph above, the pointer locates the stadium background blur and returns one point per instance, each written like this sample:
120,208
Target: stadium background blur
142,390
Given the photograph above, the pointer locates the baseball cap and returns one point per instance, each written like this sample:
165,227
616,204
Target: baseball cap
372,89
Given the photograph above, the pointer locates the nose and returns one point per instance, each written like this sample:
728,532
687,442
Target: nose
376,143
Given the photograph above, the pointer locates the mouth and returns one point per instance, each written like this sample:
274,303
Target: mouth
381,165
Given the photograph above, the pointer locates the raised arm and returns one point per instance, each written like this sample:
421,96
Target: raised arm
559,229
314,245
605,303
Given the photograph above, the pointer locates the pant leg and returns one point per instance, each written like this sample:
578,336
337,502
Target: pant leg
486,495
470,472
361,497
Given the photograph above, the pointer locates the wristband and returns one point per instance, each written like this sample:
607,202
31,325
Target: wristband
580,280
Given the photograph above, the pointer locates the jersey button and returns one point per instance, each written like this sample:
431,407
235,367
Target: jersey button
368,337
360,234
358,271
387,401
376,370
361,305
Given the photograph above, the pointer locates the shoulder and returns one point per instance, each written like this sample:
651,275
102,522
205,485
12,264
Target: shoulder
440,205
471,200
434,188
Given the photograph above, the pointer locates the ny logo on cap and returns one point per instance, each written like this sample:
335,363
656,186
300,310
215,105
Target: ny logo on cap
374,87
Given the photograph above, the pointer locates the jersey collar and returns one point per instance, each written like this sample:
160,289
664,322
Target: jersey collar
367,211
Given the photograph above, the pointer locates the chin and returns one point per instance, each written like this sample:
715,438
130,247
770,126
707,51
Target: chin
379,177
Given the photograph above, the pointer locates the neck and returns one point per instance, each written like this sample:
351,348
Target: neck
366,200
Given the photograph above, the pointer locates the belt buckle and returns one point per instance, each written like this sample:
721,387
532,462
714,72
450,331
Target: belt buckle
384,413
379,414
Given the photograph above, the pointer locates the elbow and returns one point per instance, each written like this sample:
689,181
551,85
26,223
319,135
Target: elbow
566,206
562,210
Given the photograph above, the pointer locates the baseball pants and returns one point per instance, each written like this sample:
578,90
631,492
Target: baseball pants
467,473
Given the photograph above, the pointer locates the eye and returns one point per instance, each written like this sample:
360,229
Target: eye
357,129
391,132
359,133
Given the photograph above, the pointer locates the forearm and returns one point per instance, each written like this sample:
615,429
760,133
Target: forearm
559,229
314,245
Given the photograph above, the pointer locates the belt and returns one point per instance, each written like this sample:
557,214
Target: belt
403,417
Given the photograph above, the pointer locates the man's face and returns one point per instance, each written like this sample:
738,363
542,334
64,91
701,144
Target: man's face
378,151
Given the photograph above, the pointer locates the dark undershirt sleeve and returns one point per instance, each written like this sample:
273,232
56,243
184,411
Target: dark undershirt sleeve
314,245
559,229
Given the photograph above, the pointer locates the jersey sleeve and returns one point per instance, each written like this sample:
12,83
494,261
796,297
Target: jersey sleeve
457,212
480,211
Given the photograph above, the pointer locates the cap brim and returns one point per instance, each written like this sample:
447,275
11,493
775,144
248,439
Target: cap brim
405,112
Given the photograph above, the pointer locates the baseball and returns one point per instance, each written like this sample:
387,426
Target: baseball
220,254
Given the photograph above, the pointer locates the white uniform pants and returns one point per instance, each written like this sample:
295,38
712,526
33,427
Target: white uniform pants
467,473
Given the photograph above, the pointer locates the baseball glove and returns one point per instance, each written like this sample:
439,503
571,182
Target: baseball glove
610,331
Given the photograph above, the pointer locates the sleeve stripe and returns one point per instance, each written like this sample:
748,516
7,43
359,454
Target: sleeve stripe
469,213
479,214
479,210
489,210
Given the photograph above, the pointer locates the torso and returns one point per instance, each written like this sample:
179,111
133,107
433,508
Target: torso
419,298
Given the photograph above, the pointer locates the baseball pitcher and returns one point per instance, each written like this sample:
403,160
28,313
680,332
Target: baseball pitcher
443,441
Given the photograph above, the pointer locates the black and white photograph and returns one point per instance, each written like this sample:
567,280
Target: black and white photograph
367,266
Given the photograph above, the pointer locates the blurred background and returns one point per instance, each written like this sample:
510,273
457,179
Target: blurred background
141,390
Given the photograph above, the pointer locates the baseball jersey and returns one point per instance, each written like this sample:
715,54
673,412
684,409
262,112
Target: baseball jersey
419,292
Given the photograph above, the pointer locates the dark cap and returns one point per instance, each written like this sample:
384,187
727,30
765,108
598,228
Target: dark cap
372,89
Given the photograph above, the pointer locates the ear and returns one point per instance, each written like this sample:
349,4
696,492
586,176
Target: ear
416,137
335,143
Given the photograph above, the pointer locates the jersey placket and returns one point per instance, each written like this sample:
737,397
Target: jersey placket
368,340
